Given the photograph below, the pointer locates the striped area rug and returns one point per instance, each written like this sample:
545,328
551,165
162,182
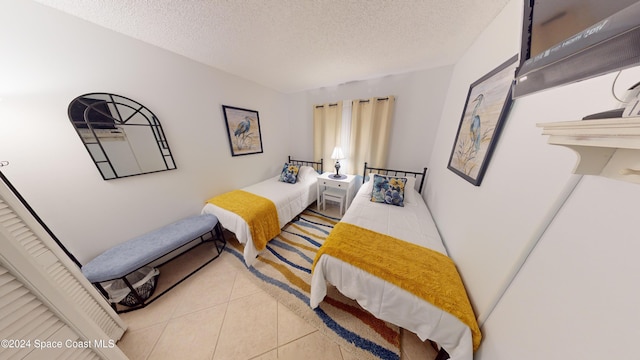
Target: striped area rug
284,271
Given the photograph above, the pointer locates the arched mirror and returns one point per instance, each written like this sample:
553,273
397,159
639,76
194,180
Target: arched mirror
123,137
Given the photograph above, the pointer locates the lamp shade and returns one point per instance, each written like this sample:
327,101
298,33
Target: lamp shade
337,153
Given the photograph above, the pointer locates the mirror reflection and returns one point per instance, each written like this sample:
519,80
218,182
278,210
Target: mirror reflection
123,137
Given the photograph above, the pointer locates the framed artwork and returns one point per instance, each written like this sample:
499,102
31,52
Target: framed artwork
243,129
488,103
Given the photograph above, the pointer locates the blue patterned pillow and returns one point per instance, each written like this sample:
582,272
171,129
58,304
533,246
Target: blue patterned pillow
388,190
289,173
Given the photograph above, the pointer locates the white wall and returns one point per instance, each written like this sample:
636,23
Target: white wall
572,298
576,297
49,58
419,101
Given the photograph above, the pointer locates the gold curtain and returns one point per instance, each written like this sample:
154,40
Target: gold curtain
327,121
370,128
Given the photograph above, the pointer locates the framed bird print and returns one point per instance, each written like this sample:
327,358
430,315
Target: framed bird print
488,103
243,129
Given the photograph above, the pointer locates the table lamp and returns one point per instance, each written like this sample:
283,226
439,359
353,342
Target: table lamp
337,155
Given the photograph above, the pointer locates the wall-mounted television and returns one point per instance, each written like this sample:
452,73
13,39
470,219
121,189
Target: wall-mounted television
564,41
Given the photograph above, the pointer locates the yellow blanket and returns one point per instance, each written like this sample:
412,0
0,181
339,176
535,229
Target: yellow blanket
260,214
423,272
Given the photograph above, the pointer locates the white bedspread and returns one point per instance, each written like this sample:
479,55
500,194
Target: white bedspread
289,199
412,223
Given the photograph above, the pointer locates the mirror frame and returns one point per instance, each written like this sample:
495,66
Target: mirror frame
102,120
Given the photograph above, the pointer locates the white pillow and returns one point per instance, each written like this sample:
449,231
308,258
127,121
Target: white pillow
410,190
367,188
411,183
306,173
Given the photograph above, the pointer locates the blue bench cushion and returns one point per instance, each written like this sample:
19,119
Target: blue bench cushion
131,255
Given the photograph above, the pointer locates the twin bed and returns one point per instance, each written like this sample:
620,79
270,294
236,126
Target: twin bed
290,199
402,247
389,258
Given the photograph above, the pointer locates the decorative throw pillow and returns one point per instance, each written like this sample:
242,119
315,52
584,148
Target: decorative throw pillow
289,173
388,190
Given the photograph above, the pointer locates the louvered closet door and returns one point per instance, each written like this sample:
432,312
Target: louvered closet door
28,324
44,297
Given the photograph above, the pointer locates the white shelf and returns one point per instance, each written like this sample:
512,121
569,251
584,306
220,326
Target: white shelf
605,147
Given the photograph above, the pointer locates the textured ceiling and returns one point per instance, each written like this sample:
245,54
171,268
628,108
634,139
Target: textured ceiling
294,45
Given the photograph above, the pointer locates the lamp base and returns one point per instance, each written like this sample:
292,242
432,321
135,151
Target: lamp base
338,176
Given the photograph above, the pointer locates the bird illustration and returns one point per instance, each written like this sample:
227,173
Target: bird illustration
243,127
242,134
474,128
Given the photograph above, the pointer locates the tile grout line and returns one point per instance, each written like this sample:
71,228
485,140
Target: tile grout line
224,318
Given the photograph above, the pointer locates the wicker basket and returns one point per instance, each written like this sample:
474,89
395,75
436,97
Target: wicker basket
143,280
144,291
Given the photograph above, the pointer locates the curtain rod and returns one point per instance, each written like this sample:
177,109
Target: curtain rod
319,106
378,99
366,100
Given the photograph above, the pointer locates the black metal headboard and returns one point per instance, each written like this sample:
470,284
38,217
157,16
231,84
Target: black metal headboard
383,171
317,165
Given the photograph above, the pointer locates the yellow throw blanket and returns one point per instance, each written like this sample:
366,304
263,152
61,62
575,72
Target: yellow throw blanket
260,214
423,272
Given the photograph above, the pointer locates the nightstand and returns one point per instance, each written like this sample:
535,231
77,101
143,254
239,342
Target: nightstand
346,184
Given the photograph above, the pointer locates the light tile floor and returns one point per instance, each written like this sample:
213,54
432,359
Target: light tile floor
220,314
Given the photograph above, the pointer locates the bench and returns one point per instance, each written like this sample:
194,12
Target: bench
129,256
